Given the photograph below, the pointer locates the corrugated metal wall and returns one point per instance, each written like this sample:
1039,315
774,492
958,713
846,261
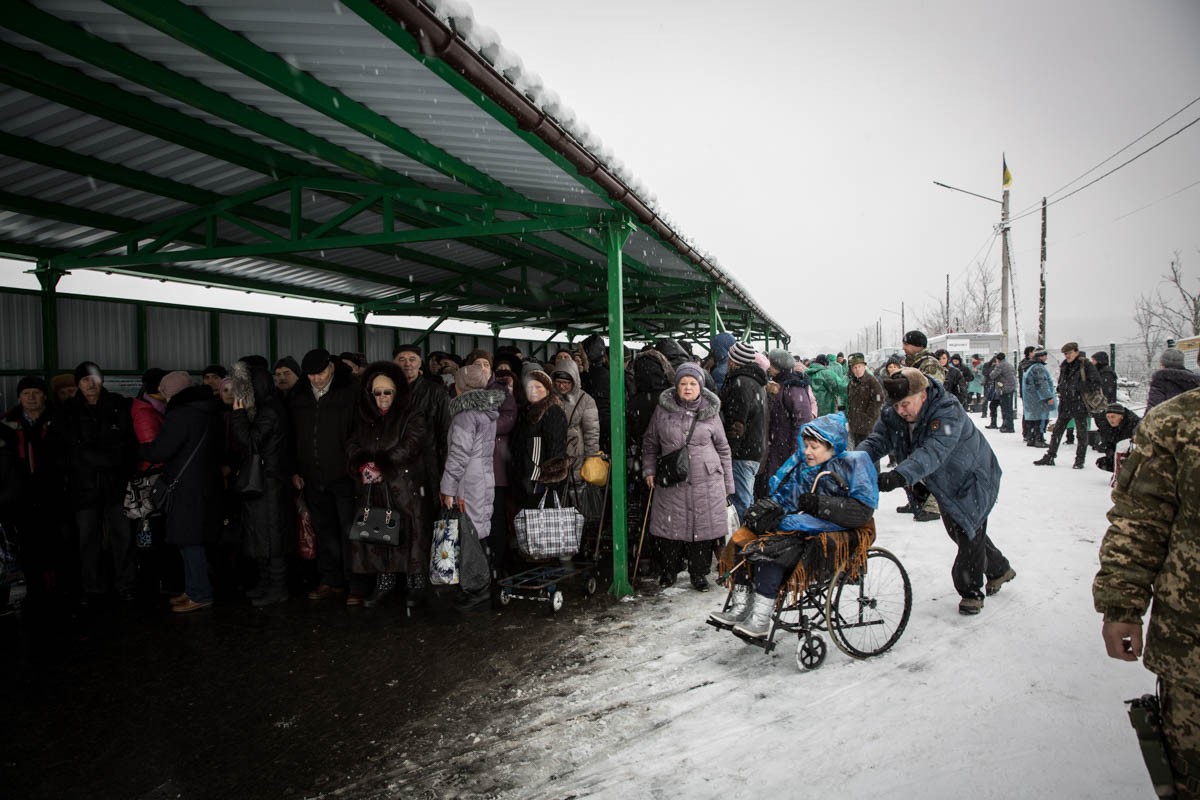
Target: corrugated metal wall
21,329
97,330
243,335
340,338
177,338
295,337
380,342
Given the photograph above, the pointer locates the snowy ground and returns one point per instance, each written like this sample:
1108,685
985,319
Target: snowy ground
1018,702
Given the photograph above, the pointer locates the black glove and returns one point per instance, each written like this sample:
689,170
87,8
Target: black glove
807,503
890,480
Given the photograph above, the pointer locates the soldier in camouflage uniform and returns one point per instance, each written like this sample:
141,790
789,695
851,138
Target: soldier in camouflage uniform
1152,551
917,357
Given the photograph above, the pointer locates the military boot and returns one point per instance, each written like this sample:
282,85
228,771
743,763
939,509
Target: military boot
1045,461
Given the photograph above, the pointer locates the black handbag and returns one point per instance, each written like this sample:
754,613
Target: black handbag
672,468
1092,395
250,481
163,489
379,524
763,515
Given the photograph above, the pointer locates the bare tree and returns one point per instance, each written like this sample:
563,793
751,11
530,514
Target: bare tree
974,308
1149,338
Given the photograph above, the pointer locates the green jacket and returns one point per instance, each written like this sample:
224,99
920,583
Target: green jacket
1151,552
829,387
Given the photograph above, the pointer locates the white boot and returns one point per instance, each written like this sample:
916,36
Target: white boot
739,607
758,621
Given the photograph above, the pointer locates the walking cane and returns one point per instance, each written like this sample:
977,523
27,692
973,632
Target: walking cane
642,538
603,511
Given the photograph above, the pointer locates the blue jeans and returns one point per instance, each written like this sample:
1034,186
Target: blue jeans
195,573
743,485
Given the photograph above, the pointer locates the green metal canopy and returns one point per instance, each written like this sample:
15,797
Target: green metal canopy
350,151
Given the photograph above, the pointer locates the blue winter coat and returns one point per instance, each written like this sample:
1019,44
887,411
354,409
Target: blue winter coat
946,452
719,351
794,478
1037,386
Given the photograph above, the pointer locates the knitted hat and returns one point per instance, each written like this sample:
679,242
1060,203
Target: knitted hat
538,376
477,354
1114,408
762,361
1172,358
31,382
690,369
88,369
315,361
1041,351
214,369
856,358
907,381
742,353
173,383
916,339
470,377
1070,347
781,360
287,362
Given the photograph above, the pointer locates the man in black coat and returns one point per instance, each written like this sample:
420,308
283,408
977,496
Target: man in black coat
101,454
1117,424
1073,373
596,383
322,420
744,414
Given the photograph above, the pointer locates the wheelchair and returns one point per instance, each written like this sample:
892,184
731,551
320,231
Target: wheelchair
863,600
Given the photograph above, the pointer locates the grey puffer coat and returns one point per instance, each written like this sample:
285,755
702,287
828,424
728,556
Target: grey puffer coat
472,442
695,509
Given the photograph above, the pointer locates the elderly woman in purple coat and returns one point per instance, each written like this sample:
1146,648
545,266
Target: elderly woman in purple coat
469,480
685,518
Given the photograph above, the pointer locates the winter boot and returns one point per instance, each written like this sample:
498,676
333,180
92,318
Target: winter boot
385,584
1078,464
994,584
276,581
739,607
907,508
700,583
970,605
758,622
1045,461
418,590
263,585
991,425
922,515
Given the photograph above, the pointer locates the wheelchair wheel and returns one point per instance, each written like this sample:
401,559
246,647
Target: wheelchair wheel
867,616
810,652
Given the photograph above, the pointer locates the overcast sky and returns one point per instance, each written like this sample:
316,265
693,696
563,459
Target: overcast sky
797,142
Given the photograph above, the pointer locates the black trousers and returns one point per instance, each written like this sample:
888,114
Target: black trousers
104,527
1081,435
977,557
332,510
672,552
497,540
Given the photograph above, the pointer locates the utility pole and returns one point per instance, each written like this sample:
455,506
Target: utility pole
947,302
902,326
1004,264
1042,289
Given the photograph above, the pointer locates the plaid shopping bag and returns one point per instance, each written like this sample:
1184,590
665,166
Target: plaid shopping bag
548,532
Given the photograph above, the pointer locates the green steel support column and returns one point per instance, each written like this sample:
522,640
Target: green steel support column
616,233
214,337
714,319
49,281
360,318
495,339
320,335
143,351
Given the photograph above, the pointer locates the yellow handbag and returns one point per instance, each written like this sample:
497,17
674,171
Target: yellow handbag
595,470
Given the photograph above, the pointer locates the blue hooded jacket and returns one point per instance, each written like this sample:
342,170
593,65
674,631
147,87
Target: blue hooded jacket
719,350
946,452
795,478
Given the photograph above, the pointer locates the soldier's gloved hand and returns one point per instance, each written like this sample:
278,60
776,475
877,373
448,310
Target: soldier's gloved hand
807,503
890,480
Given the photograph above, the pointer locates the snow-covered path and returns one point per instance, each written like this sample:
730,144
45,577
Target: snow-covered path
1018,702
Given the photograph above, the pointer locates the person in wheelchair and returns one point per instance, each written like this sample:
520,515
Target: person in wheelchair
822,487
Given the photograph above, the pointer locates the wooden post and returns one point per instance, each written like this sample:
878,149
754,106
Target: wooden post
1004,267
1042,290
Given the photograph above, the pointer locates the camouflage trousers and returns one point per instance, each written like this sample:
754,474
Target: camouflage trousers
1181,728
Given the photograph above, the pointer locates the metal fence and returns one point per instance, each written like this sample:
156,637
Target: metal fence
126,337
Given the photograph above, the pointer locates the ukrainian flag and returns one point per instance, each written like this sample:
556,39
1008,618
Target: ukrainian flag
1007,181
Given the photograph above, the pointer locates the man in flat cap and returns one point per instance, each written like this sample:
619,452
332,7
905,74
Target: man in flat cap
941,452
1073,376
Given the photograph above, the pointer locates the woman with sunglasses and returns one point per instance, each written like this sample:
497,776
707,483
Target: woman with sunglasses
385,453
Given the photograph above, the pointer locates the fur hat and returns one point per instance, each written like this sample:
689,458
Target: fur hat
742,353
315,361
59,382
477,354
907,381
690,369
88,369
916,339
1038,353
856,358
173,383
1070,347
781,360
1172,358
470,377
31,382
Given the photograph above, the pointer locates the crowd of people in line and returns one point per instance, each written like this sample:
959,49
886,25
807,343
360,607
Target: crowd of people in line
257,471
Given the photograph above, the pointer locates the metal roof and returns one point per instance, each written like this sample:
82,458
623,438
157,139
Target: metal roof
358,152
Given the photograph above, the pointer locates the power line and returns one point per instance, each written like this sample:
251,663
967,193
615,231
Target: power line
1114,155
1111,171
